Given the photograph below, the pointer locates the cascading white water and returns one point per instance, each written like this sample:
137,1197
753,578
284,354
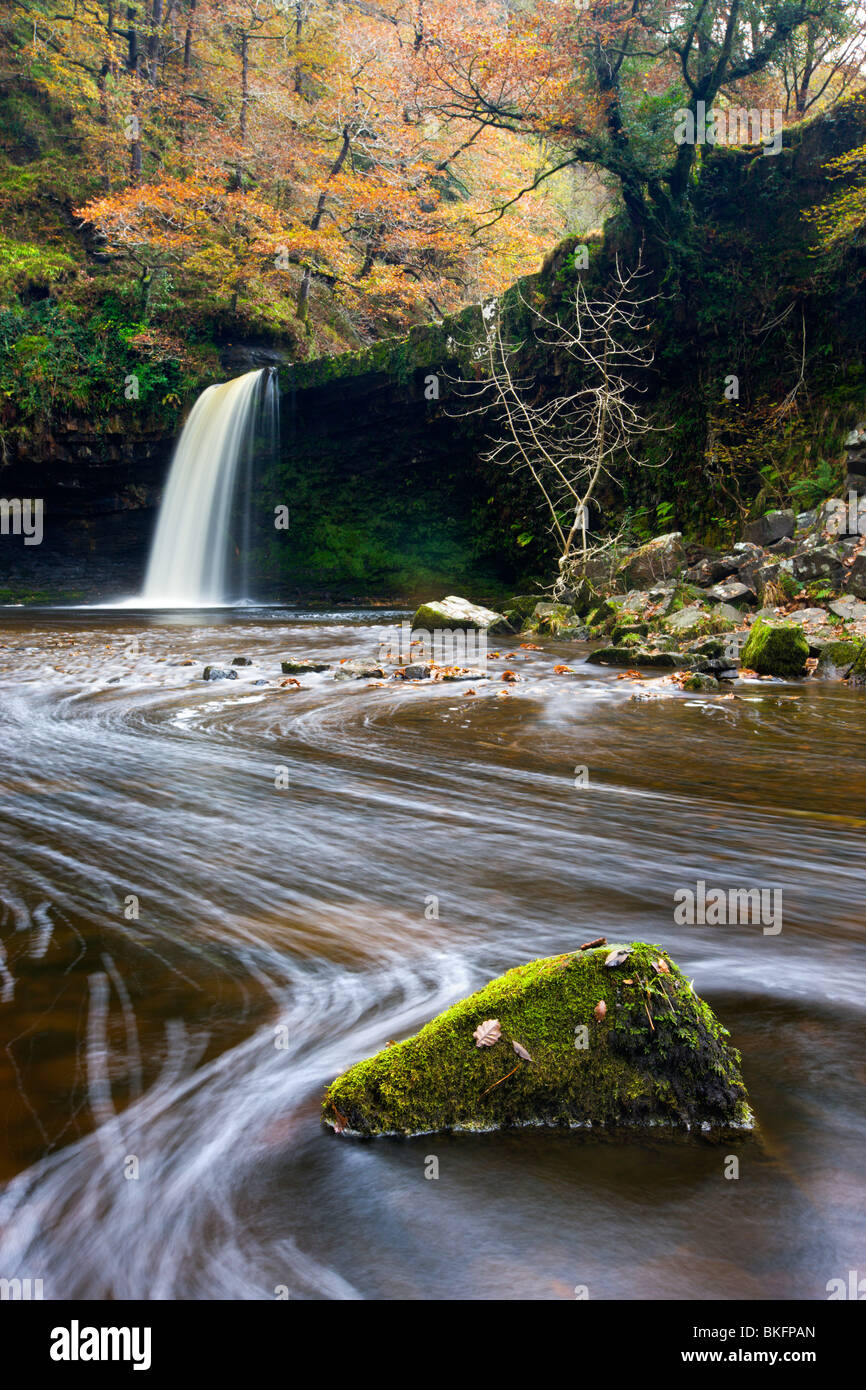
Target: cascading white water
189,557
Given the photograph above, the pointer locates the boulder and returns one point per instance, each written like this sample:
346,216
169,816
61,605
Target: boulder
631,656
454,612
807,616
776,649
758,576
519,610
658,559
852,610
855,447
359,671
856,581
241,661
711,571
687,622
821,562
857,673
553,619
218,673
300,668
771,527
700,682
837,658
732,591
569,1041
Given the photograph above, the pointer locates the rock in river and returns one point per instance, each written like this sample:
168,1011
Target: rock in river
656,1055
776,649
454,612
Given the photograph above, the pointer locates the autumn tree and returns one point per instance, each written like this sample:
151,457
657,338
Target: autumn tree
602,82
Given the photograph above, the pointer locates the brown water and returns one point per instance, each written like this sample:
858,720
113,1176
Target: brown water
303,909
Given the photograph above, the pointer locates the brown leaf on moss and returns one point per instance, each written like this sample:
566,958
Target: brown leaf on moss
600,1010
488,1033
617,957
521,1051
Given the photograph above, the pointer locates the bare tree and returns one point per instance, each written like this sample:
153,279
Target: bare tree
571,442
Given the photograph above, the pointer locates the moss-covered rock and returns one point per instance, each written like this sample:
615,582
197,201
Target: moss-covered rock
632,656
603,613
623,630
700,682
458,613
837,657
519,610
857,674
776,649
654,1055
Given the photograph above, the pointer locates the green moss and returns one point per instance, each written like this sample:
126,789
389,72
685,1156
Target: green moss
658,1056
857,674
839,655
624,630
632,656
776,649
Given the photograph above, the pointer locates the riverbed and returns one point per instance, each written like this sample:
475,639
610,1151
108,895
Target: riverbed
217,896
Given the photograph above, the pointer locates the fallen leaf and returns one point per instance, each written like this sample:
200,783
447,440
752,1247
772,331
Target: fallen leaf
661,967
471,692
510,676
600,1010
617,957
561,670
597,941
521,1051
291,681
487,1033
503,694
530,647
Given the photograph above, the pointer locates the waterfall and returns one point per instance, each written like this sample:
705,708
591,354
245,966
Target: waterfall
192,553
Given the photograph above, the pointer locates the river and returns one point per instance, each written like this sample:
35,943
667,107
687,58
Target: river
191,952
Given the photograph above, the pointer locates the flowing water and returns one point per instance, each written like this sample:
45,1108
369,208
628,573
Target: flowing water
191,954
190,559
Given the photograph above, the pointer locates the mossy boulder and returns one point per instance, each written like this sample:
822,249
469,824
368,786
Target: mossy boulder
632,656
623,630
519,610
655,1055
700,682
837,657
776,649
604,612
458,613
857,674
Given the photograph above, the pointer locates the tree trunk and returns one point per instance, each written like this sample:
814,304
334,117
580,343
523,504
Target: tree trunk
304,291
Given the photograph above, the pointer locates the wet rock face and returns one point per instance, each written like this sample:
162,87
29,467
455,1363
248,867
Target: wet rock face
604,1037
